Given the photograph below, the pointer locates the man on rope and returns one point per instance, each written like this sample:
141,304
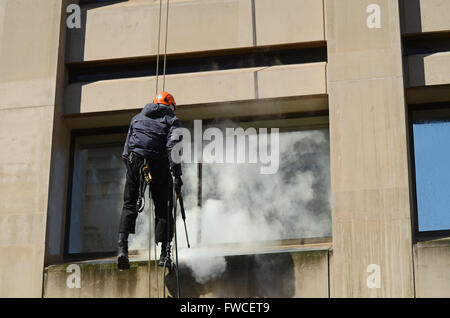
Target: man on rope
151,136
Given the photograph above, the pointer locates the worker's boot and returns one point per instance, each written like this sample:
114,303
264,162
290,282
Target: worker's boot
165,255
122,257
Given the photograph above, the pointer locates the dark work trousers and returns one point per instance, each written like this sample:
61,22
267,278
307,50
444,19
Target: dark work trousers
161,191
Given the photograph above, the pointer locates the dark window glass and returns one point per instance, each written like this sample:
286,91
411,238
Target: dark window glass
239,204
292,203
97,193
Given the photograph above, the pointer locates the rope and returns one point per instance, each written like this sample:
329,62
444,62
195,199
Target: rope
164,87
176,242
165,47
149,249
159,46
154,242
159,40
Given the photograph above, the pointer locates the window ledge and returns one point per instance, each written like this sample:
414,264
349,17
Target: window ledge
434,242
289,246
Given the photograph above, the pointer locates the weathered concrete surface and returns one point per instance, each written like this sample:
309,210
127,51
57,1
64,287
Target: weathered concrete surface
130,28
425,16
302,21
369,171
311,273
432,268
295,274
29,41
216,86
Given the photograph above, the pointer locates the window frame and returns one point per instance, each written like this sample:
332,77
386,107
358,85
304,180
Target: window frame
318,123
418,235
67,217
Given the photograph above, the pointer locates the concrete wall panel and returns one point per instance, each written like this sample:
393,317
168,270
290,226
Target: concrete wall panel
311,271
432,268
130,29
39,92
27,53
29,42
296,274
289,21
24,157
22,270
28,49
24,179
199,88
289,80
369,172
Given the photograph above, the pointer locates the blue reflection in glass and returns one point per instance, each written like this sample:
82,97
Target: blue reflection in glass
432,163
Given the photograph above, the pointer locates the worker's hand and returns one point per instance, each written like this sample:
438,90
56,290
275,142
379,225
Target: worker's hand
178,183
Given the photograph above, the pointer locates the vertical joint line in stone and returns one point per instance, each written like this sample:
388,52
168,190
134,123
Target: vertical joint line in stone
254,22
255,84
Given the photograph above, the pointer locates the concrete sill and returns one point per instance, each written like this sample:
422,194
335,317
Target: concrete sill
442,242
284,246
268,270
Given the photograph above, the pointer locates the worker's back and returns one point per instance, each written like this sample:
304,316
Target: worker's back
149,131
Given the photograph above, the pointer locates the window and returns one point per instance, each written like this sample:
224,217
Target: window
431,150
226,203
96,195
234,203
292,203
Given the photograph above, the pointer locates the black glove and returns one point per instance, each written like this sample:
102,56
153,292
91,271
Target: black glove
177,184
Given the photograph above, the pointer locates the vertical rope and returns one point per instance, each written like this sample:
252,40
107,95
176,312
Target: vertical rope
165,47
164,87
149,248
154,242
159,40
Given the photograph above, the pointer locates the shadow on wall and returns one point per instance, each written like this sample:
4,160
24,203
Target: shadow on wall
263,275
411,23
76,37
410,16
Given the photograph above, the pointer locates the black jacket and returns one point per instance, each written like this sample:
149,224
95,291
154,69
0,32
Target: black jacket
152,134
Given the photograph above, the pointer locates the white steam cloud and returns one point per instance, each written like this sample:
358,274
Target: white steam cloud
240,205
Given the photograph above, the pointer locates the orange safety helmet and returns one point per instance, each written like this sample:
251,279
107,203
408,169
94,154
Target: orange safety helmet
165,99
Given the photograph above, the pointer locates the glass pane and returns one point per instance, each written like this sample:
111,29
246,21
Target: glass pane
97,194
242,205
432,158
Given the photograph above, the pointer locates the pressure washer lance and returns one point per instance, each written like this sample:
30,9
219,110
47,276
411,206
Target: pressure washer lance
183,216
